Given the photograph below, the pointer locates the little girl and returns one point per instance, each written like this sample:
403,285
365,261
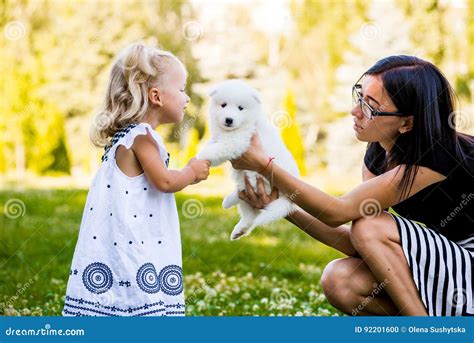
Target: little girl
127,260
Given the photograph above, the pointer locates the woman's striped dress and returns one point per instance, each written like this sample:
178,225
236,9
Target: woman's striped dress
439,252
442,269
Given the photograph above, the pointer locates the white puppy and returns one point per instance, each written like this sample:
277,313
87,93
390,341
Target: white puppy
235,114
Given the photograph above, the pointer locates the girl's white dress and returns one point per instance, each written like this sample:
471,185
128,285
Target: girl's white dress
127,260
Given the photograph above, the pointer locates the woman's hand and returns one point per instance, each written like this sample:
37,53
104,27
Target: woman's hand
254,158
260,199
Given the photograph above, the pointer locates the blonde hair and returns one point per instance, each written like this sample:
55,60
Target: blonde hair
137,68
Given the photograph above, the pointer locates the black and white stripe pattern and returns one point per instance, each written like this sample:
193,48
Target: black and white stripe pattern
442,269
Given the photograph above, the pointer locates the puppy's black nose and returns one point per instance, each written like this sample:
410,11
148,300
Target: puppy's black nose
229,121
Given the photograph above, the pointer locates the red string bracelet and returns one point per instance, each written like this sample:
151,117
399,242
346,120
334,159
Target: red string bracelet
270,159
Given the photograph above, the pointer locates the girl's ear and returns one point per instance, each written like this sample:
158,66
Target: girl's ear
407,126
155,97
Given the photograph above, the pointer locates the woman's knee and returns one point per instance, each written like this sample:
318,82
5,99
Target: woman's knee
334,272
335,282
366,232
363,232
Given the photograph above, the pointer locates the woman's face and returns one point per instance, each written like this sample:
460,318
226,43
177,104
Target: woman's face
382,129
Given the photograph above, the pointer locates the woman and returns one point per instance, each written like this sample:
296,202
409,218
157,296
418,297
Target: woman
416,163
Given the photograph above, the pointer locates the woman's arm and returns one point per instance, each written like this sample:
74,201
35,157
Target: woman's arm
380,191
167,181
338,238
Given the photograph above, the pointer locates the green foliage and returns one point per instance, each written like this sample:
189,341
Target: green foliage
53,65
317,49
57,66
49,154
34,136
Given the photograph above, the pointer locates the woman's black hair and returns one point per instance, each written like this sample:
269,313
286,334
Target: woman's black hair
419,88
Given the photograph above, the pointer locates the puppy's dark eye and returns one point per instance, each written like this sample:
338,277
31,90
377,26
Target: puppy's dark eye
240,108
223,105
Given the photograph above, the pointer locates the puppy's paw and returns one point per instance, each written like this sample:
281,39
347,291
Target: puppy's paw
226,204
203,156
236,235
240,231
230,201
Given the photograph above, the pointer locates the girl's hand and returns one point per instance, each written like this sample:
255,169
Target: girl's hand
200,168
260,199
254,158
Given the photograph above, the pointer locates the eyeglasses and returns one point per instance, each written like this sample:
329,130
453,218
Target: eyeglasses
368,111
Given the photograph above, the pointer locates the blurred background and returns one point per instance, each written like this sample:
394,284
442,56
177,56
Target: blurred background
303,56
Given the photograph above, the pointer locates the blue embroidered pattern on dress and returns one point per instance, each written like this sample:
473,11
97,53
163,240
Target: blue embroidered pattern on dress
97,277
96,307
119,134
163,314
167,162
171,278
147,279
124,283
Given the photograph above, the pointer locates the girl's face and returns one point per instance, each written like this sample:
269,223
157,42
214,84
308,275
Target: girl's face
382,129
174,99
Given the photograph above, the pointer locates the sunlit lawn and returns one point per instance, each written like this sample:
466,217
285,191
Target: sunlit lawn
275,271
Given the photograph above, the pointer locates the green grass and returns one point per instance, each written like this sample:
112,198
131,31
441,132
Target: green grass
274,271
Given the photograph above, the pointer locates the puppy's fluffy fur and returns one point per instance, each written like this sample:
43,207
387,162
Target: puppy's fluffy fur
235,114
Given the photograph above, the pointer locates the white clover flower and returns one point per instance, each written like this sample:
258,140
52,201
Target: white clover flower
321,298
246,296
211,292
25,312
201,305
323,312
264,300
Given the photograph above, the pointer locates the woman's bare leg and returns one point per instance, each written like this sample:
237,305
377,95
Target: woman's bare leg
378,242
350,286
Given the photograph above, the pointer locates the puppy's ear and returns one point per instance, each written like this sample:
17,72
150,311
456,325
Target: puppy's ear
256,96
213,91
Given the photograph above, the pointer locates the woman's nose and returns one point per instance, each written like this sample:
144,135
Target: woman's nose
357,112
